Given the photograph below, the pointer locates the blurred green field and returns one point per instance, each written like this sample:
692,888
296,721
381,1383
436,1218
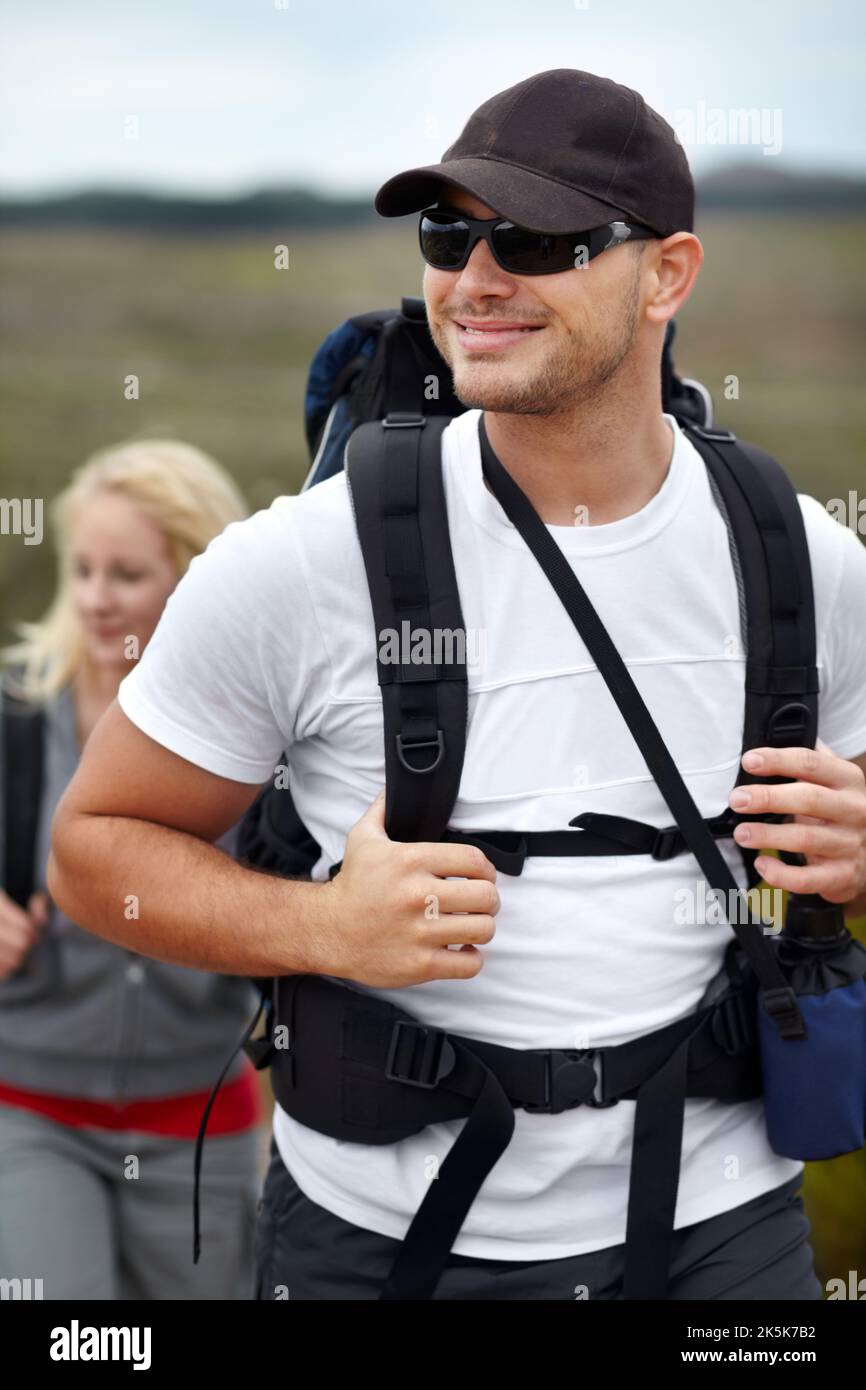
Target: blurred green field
220,341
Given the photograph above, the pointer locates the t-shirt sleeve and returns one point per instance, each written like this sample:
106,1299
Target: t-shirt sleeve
839,577
206,684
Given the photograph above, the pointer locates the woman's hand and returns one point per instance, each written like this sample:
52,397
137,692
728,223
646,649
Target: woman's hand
20,929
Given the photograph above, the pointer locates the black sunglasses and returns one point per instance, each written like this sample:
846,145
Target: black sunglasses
448,237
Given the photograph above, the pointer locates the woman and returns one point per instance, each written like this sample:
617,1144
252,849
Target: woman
106,1057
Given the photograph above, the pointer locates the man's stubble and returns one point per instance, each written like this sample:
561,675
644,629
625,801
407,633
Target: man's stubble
576,374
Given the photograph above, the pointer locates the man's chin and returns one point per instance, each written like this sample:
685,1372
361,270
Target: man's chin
500,395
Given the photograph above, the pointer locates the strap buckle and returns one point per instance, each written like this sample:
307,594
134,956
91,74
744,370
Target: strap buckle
571,1078
426,1058
438,742
782,1007
667,843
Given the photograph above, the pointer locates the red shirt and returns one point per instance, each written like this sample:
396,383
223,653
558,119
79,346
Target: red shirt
237,1107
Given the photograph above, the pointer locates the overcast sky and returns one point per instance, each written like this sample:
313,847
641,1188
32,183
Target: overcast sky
219,96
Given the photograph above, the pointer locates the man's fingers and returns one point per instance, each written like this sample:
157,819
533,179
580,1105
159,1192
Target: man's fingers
818,765
459,895
447,860
832,842
842,806
455,965
460,928
833,880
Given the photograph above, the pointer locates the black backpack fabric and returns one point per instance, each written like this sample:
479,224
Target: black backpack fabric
22,769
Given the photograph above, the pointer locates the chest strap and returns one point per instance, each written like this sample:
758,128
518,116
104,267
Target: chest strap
597,834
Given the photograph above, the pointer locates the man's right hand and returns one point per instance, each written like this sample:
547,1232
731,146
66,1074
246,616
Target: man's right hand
394,908
19,930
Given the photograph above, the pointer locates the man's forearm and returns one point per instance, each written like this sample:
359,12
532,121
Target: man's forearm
172,896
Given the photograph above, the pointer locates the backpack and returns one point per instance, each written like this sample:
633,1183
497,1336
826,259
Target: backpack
385,362
374,365
359,1069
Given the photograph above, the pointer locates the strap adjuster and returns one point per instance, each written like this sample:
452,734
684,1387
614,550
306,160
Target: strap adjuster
438,742
782,1007
667,843
425,1058
789,725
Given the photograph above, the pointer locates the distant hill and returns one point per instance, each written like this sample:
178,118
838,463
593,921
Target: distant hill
289,207
755,186
771,188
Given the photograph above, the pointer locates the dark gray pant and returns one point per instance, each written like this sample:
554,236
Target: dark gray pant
758,1250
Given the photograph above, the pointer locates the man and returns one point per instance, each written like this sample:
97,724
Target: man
267,645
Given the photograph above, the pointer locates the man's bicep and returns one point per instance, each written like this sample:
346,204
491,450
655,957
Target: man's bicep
124,772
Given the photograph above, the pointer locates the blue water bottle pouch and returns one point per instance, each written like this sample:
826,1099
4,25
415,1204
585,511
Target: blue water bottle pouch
815,1086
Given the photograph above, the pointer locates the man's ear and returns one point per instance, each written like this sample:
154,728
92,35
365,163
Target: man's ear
678,259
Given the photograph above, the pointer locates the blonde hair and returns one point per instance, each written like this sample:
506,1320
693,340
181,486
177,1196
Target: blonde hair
188,495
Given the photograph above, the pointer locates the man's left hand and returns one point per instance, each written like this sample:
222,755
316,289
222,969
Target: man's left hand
826,803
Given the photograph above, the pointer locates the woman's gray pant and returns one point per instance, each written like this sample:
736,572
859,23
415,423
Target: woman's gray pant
107,1214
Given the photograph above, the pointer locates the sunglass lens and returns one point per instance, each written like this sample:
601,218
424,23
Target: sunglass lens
443,241
532,253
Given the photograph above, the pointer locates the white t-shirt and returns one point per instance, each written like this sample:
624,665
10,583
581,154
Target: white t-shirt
268,644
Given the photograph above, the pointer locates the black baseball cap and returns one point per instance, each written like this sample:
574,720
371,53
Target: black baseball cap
562,151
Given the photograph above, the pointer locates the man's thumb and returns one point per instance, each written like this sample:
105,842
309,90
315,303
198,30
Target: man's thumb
373,820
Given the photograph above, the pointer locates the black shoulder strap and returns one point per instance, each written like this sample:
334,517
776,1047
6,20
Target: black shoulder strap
766,525
778,998
22,770
394,475
770,554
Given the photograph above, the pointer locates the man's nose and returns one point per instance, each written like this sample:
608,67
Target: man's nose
481,274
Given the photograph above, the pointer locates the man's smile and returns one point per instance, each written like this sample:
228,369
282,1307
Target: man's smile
483,335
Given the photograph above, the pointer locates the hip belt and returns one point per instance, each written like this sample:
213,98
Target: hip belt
362,1070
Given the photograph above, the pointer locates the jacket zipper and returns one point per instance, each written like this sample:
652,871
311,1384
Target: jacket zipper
134,976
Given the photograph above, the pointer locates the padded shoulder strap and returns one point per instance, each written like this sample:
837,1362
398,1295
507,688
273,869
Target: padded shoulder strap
394,474
22,769
766,523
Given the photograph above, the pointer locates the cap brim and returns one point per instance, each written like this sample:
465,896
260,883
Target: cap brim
526,198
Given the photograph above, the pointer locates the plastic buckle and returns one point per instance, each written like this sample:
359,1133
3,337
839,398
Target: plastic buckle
667,843
560,1065
431,1056
594,1102
782,1007
437,742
